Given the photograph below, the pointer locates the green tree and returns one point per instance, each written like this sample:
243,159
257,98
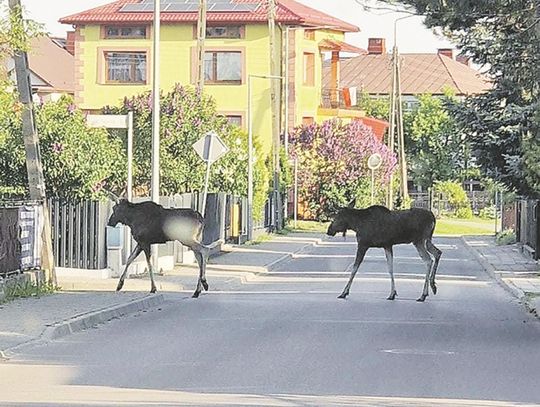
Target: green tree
434,145
13,36
503,124
377,107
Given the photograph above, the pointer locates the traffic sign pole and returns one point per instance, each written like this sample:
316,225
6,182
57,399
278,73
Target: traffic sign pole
210,148
207,177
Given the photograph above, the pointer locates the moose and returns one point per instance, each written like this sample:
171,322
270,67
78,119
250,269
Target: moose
378,226
151,223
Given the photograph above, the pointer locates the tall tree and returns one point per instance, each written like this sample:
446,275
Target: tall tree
503,124
434,145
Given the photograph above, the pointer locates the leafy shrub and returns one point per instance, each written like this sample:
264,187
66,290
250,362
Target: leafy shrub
506,237
489,212
78,161
464,213
187,115
332,165
458,201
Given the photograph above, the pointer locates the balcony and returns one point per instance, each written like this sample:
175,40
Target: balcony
338,103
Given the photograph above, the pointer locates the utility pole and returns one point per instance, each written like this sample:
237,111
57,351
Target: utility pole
201,36
156,108
396,124
34,167
400,133
275,109
391,129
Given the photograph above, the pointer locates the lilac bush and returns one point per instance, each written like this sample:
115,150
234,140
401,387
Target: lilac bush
332,165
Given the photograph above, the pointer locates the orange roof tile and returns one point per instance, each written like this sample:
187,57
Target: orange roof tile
420,73
288,11
335,45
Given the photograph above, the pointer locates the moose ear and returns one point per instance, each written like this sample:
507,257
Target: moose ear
351,204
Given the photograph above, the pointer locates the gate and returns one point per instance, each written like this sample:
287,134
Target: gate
528,226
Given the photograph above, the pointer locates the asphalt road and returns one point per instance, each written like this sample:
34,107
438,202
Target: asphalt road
286,340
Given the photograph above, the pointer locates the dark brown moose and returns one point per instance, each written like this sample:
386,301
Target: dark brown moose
377,226
151,223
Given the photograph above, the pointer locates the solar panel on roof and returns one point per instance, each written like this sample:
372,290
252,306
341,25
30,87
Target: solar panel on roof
184,6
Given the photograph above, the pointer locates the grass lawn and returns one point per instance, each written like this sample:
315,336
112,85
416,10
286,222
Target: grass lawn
444,227
460,227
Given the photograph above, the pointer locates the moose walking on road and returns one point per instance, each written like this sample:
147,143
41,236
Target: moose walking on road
377,226
151,223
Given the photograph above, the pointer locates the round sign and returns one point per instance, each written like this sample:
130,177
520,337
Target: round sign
374,161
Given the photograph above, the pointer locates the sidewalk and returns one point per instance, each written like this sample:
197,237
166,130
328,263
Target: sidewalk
507,265
84,303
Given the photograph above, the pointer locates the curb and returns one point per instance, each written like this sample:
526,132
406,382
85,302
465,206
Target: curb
286,257
507,286
85,321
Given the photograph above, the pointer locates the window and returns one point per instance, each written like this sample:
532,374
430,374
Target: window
226,31
309,35
223,67
307,120
309,69
125,67
234,119
125,32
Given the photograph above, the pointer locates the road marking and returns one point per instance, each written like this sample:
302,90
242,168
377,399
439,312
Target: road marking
418,352
330,321
415,259
346,273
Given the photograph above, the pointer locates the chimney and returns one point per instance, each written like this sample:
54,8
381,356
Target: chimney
463,59
70,42
448,52
376,46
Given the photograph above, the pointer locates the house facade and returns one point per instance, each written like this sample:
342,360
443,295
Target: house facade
112,45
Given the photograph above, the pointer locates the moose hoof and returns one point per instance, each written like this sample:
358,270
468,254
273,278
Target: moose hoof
392,296
119,286
205,285
434,288
422,298
195,294
153,290
343,296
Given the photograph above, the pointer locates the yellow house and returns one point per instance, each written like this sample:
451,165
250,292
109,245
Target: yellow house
112,45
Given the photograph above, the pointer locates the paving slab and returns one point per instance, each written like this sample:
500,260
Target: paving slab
26,320
517,273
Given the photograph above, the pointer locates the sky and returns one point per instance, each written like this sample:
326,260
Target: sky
413,36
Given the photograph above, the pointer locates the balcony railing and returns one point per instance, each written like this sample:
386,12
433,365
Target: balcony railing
337,99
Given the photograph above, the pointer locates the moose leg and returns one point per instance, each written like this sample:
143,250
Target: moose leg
436,252
200,256
390,262
360,253
424,254
130,260
148,253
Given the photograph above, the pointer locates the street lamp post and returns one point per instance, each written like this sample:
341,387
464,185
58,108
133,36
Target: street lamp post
250,150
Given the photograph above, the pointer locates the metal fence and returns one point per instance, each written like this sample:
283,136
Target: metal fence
439,204
79,233
79,229
528,226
